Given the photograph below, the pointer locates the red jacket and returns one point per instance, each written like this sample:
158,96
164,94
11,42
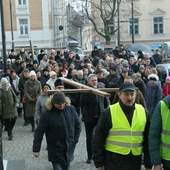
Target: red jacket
166,90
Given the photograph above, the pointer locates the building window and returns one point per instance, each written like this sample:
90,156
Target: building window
135,26
111,26
22,2
23,24
158,25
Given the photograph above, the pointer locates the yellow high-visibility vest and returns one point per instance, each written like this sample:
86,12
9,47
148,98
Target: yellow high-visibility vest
165,135
122,137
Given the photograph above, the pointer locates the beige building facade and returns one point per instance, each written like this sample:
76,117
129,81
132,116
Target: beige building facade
151,22
32,20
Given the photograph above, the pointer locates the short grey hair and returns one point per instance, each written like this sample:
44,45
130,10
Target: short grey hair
91,75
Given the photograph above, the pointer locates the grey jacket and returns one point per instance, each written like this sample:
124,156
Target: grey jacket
40,105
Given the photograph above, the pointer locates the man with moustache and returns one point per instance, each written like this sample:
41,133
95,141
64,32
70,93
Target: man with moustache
122,134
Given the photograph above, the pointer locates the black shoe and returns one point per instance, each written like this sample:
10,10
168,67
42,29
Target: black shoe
89,161
25,124
10,137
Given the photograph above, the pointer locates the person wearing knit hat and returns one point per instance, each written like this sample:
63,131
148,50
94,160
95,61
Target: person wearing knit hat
8,105
153,93
53,78
59,98
52,73
141,67
62,128
64,72
4,81
59,84
166,87
32,73
40,104
32,90
153,77
45,74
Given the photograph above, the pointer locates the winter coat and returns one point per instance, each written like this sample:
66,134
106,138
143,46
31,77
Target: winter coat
93,105
153,96
141,86
32,90
42,80
40,105
82,81
62,130
157,58
16,67
51,83
166,90
112,79
155,135
44,64
8,102
21,84
16,83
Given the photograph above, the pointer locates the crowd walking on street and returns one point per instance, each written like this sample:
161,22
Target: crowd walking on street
125,131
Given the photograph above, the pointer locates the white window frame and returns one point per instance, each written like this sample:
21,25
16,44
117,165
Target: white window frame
158,25
135,24
24,34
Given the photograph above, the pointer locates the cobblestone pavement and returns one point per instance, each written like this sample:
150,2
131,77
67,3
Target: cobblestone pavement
20,149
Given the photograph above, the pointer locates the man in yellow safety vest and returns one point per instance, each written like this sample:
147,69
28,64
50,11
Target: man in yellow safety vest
159,135
122,134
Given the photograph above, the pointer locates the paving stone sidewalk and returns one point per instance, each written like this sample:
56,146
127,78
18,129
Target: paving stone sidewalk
18,152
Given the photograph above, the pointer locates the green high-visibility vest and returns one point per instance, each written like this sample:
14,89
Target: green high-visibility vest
165,135
122,137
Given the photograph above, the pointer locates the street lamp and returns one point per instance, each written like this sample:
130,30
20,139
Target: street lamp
118,20
132,24
3,35
12,34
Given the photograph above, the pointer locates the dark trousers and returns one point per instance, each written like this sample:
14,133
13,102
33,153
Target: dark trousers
24,108
114,161
57,166
30,120
9,125
89,128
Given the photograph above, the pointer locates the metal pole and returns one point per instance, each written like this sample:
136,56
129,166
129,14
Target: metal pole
12,33
3,36
118,20
81,43
132,24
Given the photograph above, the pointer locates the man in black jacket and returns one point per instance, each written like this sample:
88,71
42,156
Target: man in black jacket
62,127
122,133
92,106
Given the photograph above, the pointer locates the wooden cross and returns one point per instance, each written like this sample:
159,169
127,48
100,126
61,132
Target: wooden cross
84,89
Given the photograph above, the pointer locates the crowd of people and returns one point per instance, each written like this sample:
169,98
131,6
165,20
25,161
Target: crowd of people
109,122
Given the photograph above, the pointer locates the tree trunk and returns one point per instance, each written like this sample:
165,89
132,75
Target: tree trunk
107,38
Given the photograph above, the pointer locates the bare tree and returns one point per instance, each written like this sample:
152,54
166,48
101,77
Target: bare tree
101,14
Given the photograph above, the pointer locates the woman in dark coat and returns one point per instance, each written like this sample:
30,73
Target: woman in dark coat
153,93
32,90
8,104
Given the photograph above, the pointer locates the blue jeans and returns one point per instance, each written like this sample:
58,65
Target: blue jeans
57,166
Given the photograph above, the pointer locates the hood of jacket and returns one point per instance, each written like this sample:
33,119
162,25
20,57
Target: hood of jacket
49,104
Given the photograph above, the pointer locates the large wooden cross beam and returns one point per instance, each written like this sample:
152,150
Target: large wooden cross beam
85,89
